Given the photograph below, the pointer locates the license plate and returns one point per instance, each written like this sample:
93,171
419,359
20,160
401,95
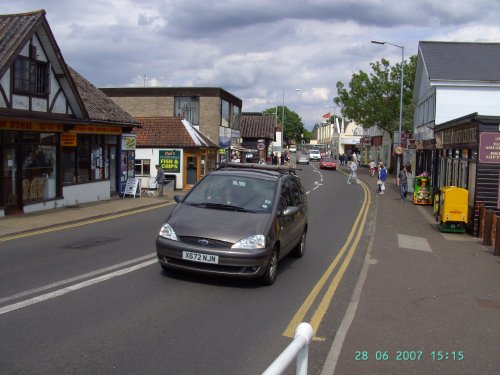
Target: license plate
198,257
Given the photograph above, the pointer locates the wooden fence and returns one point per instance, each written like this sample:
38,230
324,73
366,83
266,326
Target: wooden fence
489,228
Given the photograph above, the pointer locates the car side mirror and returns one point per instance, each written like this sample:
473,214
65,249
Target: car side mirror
289,211
178,198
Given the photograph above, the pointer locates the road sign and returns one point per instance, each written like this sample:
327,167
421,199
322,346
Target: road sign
398,150
261,146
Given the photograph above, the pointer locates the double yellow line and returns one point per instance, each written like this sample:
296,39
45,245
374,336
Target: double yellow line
80,223
351,244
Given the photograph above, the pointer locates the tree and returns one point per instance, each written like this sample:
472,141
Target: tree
374,99
294,127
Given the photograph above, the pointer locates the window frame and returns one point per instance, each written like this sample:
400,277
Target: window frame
140,163
192,103
35,77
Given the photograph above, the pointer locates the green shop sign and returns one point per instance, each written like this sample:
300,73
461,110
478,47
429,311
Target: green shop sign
170,160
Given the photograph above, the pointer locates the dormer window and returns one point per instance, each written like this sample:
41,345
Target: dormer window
31,76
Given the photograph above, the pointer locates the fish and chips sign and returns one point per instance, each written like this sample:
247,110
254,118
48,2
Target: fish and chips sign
170,161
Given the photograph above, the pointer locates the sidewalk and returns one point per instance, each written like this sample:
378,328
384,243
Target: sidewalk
429,303
20,223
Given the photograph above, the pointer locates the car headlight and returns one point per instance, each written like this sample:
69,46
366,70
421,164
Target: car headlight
167,231
257,241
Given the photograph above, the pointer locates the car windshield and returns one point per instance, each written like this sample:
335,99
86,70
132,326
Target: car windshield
328,159
241,193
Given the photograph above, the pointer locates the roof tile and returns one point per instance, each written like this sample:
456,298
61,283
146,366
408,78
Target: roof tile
257,126
169,132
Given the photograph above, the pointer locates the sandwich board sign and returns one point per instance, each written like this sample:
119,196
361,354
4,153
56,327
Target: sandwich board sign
133,187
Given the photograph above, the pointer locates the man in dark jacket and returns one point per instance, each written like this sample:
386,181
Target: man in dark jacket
160,180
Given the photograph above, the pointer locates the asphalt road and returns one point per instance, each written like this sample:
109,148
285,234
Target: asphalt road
93,299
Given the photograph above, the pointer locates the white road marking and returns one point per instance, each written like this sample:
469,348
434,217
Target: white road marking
75,287
413,243
76,278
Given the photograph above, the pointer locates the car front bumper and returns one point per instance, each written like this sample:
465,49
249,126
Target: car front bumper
239,263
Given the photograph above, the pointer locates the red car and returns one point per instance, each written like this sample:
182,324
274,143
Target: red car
327,163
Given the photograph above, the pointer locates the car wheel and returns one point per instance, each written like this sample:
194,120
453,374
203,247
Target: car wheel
272,269
298,251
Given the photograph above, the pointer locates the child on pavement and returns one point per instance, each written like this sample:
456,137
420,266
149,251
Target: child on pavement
372,167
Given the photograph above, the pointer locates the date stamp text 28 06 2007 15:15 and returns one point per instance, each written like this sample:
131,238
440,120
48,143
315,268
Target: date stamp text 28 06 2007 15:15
410,355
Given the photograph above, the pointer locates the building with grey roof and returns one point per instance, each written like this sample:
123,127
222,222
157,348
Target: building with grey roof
60,136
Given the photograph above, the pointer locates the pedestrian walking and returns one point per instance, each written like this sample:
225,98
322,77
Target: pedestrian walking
402,182
352,172
382,177
160,180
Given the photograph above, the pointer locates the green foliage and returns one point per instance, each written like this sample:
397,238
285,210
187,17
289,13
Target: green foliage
374,99
294,126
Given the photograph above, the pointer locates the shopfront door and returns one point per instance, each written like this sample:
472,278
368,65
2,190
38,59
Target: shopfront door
111,164
11,194
191,173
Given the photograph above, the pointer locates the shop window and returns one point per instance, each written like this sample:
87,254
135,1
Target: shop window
69,165
442,173
142,167
83,159
225,114
31,76
455,180
89,161
97,163
203,163
38,172
464,174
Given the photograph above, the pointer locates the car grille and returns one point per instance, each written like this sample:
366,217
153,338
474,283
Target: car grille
205,242
212,268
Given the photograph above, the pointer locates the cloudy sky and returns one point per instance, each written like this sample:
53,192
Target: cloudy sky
254,49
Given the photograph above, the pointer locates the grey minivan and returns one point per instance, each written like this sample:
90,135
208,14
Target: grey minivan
238,221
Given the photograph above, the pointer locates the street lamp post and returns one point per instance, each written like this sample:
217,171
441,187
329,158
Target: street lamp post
283,120
401,94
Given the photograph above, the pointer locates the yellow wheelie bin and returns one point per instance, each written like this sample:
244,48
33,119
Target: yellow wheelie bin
453,209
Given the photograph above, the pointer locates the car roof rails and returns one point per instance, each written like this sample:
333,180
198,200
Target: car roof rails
260,167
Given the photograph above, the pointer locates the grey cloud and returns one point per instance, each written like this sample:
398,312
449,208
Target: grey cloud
252,48
195,19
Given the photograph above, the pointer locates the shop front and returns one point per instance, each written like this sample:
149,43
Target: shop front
468,150
49,165
29,160
89,164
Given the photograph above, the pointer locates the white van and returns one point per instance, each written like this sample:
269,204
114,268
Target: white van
293,148
314,155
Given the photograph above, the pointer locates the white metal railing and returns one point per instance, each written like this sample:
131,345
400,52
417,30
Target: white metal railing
299,348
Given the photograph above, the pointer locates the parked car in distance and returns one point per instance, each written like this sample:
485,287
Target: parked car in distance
314,155
302,158
292,148
327,163
238,221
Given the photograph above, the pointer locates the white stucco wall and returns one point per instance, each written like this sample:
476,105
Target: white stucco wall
454,102
153,155
85,193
